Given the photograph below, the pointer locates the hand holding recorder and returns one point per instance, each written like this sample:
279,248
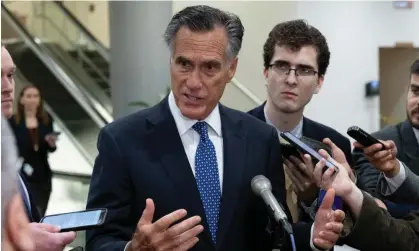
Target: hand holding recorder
382,154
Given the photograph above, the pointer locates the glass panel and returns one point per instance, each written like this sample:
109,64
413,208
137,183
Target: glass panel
69,45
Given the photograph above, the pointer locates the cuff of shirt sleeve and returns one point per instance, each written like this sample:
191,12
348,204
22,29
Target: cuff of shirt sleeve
311,241
126,246
395,182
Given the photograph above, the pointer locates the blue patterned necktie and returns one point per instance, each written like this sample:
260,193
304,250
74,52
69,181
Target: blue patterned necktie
207,179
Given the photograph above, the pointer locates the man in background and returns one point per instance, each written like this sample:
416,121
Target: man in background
402,151
46,237
405,136
296,56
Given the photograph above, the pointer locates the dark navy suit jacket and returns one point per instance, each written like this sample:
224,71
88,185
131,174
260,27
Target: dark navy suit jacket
141,156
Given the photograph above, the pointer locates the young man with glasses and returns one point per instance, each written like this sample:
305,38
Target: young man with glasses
296,57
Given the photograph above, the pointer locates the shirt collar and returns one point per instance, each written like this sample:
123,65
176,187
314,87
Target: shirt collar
183,123
297,131
416,131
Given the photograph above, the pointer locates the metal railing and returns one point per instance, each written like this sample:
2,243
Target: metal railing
103,51
96,111
246,91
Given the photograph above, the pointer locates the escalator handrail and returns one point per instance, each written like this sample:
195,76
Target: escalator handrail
97,112
103,51
78,50
83,178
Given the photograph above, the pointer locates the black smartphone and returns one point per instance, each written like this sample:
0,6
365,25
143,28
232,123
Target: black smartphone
288,150
77,221
54,133
302,147
363,137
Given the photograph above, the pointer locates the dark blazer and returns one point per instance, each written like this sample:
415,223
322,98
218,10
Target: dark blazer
375,229
407,152
141,156
38,160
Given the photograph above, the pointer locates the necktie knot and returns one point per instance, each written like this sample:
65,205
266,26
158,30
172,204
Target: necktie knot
201,128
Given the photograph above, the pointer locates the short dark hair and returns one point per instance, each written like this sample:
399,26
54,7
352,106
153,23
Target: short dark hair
202,18
294,35
415,68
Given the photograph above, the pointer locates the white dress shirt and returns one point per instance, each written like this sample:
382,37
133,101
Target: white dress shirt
190,137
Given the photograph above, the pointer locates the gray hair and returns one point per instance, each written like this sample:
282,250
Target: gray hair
9,169
203,18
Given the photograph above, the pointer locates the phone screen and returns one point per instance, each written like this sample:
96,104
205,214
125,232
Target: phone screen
73,220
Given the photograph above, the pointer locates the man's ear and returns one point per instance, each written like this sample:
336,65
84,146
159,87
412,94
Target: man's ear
232,69
319,85
18,225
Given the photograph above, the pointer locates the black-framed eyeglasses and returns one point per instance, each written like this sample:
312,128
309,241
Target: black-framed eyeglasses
284,69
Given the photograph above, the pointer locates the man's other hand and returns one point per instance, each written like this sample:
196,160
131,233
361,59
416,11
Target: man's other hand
383,159
301,175
161,235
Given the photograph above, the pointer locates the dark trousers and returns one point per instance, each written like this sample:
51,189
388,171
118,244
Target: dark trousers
41,194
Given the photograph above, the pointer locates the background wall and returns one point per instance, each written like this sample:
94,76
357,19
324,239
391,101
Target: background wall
354,30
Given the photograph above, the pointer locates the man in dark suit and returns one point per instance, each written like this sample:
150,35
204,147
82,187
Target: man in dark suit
405,136
375,229
47,237
296,57
190,156
403,149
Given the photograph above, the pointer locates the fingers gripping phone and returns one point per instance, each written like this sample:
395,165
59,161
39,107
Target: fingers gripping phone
363,137
288,150
302,147
77,221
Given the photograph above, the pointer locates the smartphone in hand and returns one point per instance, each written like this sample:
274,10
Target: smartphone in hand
77,221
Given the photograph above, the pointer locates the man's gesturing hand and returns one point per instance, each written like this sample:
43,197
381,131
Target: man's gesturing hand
161,235
328,223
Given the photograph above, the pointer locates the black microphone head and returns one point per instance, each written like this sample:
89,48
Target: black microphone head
260,183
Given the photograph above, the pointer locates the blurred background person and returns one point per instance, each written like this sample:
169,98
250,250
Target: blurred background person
46,237
15,232
33,129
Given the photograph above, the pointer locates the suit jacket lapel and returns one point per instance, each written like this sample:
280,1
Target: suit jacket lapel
234,144
308,129
167,146
410,145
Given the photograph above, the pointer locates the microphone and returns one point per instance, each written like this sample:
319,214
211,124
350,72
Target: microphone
261,186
